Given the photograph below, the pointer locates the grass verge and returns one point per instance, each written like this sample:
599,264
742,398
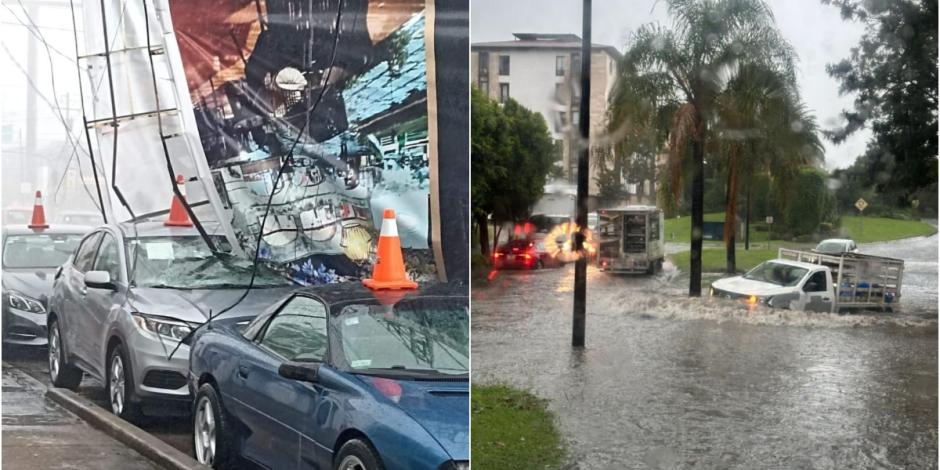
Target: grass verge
512,429
877,229
713,260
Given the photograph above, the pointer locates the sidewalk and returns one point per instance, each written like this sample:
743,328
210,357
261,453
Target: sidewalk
38,433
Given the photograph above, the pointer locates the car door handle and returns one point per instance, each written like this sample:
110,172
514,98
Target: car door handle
243,372
825,299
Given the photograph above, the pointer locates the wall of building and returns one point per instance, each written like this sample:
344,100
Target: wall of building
532,82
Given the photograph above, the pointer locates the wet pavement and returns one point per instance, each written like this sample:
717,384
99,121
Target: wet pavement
38,433
672,382
170,424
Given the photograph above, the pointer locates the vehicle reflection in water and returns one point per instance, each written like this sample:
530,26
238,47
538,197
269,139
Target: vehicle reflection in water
672,382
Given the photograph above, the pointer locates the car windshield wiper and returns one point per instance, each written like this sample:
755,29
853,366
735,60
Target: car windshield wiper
166,286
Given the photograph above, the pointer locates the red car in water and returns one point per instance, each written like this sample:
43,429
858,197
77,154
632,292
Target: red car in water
524,253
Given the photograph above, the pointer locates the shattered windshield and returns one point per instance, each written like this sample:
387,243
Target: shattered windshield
38,250
777,273
414,336
175,262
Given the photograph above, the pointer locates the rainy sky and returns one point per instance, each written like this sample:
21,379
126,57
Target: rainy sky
816,31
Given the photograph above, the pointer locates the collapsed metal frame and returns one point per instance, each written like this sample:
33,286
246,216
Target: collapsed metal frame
115,119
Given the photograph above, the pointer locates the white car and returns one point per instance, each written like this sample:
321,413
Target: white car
836,246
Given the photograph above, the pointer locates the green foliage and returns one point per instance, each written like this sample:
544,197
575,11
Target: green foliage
511,156
812,205
512,429
893,74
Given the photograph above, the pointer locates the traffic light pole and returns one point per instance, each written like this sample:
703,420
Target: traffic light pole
584,147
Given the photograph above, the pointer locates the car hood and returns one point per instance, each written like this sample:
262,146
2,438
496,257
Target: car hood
34,282
441,408
742,286
195,305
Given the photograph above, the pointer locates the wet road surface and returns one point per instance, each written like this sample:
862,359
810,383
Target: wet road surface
919,285
672,382
169,423
38,433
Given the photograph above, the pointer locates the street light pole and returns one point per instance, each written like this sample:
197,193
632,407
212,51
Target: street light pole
584,147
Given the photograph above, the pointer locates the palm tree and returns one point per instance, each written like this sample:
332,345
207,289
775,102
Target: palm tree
759,114
709,39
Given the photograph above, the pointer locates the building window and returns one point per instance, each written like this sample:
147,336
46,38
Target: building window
575,118
560,92
503,92
504,65
576,64
559,66
484,86
484,63
562,122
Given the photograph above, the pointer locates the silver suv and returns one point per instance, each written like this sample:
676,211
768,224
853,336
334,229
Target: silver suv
126,298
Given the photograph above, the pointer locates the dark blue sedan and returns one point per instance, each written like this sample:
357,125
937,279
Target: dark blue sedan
337,377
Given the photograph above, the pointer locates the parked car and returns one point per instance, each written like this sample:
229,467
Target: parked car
836,246
337,377
128,296
89,218
30,259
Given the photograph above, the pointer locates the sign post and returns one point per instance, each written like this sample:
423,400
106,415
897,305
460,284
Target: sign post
580,266
860,204
770,232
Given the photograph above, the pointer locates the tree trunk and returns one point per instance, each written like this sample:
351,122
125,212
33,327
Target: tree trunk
484,234
731,205
497,231
698,196
747,217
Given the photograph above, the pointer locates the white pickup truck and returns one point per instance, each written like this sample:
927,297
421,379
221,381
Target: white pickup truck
804,280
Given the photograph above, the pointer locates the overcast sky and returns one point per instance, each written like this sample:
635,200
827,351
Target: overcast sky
816,31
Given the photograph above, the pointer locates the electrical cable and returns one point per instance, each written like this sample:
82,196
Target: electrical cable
46,100
288,157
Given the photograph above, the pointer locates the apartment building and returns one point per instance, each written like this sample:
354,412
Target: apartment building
541,72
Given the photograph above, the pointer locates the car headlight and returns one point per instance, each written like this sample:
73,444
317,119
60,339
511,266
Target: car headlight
23,302
165,327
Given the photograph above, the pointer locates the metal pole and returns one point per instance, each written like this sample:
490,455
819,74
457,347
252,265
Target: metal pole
580,267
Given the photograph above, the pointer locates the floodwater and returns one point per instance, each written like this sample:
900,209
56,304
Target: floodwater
672,382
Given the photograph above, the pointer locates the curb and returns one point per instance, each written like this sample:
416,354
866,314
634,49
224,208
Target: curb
149,446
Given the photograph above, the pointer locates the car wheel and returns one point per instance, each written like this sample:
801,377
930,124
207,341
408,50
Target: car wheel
358,455
120,385
211,431
62,373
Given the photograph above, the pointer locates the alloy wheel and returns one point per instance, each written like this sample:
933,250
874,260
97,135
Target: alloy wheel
116,382
54,352
204,432
351,462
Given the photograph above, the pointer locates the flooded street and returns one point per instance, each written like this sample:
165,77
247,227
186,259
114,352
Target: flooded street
671,382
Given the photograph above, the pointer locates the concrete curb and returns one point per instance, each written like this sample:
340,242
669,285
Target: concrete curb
149,446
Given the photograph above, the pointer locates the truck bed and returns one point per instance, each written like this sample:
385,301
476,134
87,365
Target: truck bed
860,281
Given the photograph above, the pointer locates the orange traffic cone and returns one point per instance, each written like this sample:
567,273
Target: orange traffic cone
39,214
389,269
178,216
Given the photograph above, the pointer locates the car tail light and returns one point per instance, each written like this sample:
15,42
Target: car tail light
387,387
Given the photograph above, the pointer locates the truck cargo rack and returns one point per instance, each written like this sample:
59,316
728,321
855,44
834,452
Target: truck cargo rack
861,281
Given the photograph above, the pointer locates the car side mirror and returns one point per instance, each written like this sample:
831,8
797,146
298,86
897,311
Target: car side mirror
99,280
302,371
